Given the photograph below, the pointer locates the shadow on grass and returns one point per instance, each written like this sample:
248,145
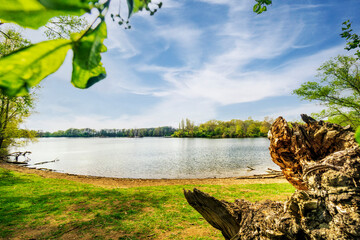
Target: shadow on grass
7,178
59,211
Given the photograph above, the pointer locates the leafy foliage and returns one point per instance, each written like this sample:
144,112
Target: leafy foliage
353,43
11,41
13,110
133,7
260,6
136,5
224,129
34,13
352,38
64,26
357,135
25,68
338,88
87,68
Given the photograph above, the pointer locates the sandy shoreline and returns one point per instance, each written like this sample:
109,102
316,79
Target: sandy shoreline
108,182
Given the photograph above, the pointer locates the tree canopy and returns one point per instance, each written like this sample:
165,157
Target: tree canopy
353,42
64,26
13,110
337,87
88,132
224,129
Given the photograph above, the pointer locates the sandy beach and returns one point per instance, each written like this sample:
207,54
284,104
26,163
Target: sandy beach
108,182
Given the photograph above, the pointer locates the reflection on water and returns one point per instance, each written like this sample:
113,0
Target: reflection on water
153,157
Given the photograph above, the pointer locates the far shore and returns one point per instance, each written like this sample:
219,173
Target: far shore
108,182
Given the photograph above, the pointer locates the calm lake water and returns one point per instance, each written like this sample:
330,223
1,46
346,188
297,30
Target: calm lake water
153,157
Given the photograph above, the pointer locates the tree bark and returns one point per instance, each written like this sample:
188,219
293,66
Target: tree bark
322,161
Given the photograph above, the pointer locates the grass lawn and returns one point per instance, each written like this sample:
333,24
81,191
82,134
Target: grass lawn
32,207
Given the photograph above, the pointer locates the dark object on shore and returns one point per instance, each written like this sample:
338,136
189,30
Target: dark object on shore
275,172
307,119
14,157
250,168
322,160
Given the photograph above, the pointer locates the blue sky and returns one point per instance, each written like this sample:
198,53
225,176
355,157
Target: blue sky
202,60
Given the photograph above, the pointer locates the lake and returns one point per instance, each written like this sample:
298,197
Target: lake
153,157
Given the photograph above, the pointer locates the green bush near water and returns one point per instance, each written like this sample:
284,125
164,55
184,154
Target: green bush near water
41,208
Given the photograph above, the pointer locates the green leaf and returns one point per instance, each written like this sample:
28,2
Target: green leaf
257,7
25,68
87,50
130,4
137,5
82,78
140,4
268,2
357,135
34,13
87,68
68,4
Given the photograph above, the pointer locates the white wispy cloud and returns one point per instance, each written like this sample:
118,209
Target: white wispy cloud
167,113
242,57
186,39
119,42
225,78
171,4
225,85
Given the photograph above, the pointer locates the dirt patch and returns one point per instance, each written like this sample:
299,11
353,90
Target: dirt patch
193,232
107,182
198,232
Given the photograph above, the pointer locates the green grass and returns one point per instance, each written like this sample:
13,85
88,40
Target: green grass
39,208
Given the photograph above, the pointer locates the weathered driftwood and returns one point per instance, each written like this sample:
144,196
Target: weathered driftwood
14,157
41,163
322,161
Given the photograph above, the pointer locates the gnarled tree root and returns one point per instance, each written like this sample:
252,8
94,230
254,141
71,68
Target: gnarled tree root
322,161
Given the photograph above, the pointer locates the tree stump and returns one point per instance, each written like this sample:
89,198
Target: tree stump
322,161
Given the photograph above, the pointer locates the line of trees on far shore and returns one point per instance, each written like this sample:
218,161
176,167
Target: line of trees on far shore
88,132
224,129
211,129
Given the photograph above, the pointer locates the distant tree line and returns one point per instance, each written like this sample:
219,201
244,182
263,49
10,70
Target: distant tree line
224,129
88,132
211,129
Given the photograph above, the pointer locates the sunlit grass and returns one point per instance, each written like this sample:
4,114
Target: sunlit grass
35,207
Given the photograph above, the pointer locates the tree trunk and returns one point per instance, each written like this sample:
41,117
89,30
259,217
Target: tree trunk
322,160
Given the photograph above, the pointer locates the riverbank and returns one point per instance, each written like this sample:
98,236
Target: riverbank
107,182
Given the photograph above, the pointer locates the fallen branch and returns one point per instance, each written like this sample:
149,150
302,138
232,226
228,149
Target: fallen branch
272,171
40,163
322,160
16,155
261,176
250,168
